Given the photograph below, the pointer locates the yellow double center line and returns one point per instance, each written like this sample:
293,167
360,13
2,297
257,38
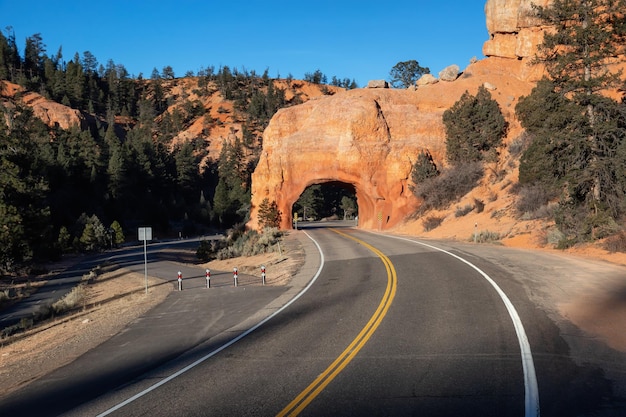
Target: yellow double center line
313,390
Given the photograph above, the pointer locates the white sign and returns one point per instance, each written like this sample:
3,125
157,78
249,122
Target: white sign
145,233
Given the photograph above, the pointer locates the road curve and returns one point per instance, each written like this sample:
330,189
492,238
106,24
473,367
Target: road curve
447,343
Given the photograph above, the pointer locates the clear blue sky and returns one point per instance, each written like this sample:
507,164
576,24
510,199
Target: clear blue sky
360,40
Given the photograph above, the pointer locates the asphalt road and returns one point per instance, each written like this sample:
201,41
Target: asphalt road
387,327
65,275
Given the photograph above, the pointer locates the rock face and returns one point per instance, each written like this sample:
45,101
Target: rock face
50,112
368,139
513,30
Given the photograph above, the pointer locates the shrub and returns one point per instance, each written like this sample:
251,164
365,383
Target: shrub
485,237
250,243
479,205
519,145
554,237
531,199
462,211
70,301
580,225
205,251
438,192
616,243
431,222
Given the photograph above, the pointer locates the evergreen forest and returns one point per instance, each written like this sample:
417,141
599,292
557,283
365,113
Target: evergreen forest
90,187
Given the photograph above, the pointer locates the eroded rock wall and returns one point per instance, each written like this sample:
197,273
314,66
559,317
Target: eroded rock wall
50,112
369,138
514,32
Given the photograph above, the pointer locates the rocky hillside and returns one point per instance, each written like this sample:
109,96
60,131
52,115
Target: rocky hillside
217,120
317,118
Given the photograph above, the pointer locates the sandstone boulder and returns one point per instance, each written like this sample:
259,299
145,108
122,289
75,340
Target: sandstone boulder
426,79
377,84
449,73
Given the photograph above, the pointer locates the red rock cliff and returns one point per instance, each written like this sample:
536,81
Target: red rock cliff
369,138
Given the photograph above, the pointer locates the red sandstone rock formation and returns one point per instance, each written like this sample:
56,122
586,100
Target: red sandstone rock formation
370,138
514,33
50,112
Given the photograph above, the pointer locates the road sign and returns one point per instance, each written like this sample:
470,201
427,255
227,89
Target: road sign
145,233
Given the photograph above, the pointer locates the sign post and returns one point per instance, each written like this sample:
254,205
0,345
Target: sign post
263,274
235,275
208,278
145,234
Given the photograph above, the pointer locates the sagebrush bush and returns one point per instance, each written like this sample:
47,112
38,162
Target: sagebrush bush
616,243
431,222
554,237
519,145
452,184
485,236
251,243
70,301
531,199
462,211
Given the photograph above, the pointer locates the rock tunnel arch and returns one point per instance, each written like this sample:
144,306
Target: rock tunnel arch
326,184
327,201
365,203
368,138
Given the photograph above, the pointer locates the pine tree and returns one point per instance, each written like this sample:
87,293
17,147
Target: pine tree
424,167
118,233
475,128
404,74
577,131
24,214
269,215
577,57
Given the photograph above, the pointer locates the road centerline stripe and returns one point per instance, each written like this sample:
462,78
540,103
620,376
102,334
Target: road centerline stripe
303,399
224,346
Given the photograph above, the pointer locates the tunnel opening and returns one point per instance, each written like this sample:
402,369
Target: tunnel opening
330,200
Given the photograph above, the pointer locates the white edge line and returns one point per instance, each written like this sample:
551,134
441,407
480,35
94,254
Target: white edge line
531,389
224,346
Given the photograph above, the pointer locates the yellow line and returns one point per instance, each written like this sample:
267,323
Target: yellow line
303,399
